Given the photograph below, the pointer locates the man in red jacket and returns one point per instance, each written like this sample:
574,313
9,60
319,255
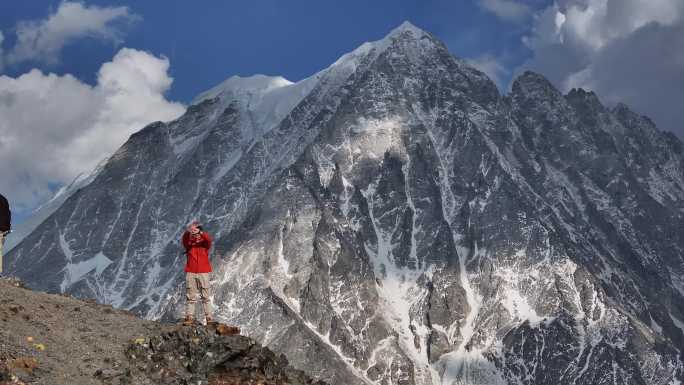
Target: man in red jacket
197,244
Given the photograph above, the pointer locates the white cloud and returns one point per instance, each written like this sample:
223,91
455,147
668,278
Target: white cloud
491,66
43,40
54,127
507,10
625,50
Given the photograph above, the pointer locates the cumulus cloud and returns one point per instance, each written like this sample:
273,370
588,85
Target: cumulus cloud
43,40
54,127
625,50
507,10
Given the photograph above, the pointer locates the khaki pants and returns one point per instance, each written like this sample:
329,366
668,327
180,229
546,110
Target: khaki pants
197,284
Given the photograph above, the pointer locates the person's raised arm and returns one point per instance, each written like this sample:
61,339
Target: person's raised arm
206,240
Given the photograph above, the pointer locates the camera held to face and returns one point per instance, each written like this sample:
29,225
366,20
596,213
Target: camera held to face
195,228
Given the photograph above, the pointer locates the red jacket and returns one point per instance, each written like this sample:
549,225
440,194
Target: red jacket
197,251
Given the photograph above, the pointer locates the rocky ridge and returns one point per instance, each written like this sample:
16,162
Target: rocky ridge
53,339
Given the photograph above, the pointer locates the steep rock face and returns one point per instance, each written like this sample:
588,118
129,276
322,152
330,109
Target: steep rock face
399,221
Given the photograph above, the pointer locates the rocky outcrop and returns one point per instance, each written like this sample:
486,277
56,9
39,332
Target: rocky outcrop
191,355
52,340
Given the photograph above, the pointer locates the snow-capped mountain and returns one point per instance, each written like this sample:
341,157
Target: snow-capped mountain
394,220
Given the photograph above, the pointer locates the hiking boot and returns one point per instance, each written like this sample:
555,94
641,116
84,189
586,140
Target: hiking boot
188,321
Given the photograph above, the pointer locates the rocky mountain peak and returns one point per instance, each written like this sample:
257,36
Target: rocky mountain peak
585,102
533,86
407,27
237,86
393,218
411,40
631,119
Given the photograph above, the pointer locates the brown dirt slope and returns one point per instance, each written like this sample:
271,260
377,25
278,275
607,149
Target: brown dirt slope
52,339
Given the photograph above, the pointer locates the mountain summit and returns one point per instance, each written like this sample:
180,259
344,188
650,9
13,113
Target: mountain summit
393,219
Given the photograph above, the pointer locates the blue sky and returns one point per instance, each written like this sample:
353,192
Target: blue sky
77,77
